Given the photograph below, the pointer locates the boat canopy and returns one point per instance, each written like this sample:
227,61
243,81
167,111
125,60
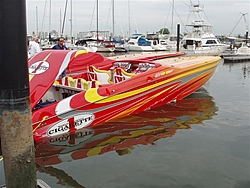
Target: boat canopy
144,42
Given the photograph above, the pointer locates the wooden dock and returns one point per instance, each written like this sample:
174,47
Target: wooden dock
234,58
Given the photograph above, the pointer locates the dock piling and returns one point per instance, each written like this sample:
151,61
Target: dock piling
15,115
178,38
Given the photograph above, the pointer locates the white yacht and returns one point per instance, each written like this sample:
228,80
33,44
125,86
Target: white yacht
201,40
169,41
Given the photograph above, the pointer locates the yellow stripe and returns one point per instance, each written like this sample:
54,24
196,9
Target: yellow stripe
45,117
129,110
132,134
46,57
95,151
92,95
81,52
1,159
116,139
31,76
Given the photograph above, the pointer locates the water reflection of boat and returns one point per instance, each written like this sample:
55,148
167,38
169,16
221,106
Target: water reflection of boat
123,134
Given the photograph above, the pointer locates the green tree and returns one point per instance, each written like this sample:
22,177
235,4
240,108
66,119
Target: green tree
164,31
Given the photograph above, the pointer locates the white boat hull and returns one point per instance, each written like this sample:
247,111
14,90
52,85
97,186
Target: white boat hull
141,48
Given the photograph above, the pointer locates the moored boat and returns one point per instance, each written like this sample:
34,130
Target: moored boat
98,89
138,42
244,49
169,41
201,40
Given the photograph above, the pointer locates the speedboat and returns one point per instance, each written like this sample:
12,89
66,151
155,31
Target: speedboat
97,89
123,135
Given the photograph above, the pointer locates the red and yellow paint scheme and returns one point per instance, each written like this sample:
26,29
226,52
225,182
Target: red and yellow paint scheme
122,135
100,90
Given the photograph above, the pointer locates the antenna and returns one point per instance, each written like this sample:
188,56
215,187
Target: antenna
242,16
245,20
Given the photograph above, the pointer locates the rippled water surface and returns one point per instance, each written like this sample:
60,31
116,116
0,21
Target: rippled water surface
202,141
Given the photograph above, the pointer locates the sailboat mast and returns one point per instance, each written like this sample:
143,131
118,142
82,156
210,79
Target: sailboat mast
37,23
97,19
64,16
50,16
71,25
113,18
60,27
172,23
129,28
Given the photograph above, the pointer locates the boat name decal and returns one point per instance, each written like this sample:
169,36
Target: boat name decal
64,126
78,137
39,67
163,73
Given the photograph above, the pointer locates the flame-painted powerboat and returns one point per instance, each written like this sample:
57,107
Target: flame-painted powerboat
97,89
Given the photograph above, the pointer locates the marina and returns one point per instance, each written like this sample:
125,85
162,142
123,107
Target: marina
212,152
197,139
136,115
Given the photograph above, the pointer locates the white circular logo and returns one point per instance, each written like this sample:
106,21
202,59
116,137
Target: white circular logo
39,67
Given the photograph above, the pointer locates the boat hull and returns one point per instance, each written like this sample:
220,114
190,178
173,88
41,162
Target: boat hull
173,80
141,48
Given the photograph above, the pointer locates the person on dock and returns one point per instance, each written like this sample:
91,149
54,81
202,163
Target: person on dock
60,44
34,47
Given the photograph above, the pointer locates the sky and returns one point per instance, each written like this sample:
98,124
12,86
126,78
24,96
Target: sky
131,16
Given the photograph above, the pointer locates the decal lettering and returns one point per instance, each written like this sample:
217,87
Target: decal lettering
163,73
79,137
73,123
39,67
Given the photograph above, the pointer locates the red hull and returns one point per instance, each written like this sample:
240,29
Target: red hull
115,88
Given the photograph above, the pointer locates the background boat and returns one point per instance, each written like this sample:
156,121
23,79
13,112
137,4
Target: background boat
138,42
201,40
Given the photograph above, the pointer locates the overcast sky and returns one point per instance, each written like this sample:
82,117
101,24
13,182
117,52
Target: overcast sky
143,15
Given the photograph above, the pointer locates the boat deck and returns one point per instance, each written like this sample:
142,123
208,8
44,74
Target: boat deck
141,55
180,62
236,58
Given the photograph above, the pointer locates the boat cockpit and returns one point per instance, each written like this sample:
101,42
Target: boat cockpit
94,77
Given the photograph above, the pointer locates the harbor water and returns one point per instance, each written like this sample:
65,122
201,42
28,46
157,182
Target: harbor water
202,141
